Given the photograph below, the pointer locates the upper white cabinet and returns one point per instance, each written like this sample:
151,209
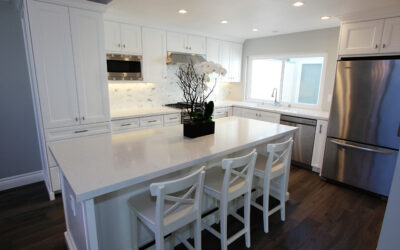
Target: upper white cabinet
370,37
123,38
178,42
154,55
68,49
90,65
54,64
229,55
391,35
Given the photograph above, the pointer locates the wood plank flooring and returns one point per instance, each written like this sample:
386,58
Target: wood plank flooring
320,215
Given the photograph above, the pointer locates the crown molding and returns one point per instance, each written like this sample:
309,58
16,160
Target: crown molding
387,12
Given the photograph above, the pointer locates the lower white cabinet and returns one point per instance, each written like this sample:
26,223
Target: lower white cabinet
172,119
257,114
151,121
131,124
55,178
319,145
220,113
125,125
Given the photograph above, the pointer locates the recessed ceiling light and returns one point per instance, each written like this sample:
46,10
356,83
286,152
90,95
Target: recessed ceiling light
224,21
298,4
325,17
182,11
255,29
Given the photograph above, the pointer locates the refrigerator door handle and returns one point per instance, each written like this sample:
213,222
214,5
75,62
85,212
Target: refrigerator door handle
362,148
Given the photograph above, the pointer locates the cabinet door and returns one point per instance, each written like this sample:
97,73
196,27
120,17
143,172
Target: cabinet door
213,47
391,36
196,44
177,42
55,74
90,65
154,55
269,116
235,62
224,58
319,145
360,37
112,31
131,39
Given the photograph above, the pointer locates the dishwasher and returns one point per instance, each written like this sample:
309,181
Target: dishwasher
303,144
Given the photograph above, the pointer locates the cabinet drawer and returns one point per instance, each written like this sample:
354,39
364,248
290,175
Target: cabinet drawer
55,178
74,132
172,119
126,124
220,112
151,121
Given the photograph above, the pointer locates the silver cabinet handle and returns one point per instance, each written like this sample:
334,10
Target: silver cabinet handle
119,45
320,128
152,121
123,46
83,118
76,118
376,46
173,118
362,148
383,45
81,131
126,124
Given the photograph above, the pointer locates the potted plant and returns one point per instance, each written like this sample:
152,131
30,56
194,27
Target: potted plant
194,80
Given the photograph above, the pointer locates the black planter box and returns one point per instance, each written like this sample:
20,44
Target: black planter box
198,129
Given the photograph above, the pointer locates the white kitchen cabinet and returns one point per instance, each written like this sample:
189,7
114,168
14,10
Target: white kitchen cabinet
71,82
319,145
237,111
360,37
231,60
122,38
90,66
172,119
213,48
220,113
178,42
391,36
125,125
261,115
154,55
54,64
55,178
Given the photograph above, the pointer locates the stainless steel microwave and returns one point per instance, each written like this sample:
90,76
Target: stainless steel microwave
124,67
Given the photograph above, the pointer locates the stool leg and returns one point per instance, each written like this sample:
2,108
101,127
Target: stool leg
159,240
134,230
247,198
197,234
266,207
224,225
282,197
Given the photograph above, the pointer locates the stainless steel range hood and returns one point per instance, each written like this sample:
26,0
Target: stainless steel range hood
184,58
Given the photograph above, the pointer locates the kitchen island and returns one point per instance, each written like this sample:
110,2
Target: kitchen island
100,173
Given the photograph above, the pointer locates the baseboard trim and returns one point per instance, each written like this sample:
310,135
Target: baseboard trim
21,180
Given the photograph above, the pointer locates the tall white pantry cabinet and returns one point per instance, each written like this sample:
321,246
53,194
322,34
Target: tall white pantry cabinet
66,57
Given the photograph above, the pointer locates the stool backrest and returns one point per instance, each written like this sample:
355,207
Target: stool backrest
179,192
237,171
279,153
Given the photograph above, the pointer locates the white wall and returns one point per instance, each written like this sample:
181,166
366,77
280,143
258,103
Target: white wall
309,42
19,149
389,238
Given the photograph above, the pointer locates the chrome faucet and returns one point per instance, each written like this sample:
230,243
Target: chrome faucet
275,94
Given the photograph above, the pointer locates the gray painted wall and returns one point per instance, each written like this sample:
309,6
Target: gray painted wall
309,42
389,238
19,146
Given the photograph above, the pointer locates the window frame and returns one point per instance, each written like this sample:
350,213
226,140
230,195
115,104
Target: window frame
247,90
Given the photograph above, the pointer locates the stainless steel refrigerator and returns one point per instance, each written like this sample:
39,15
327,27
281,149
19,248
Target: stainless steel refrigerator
364,124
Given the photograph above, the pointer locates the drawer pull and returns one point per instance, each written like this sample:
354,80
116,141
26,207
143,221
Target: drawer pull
173,118
81,131
126,124
152,121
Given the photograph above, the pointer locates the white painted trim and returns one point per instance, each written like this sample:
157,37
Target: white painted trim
70,241
21,180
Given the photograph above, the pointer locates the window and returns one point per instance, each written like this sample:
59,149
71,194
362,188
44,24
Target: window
297,80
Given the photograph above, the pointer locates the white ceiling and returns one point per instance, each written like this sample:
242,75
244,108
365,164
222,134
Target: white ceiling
204,16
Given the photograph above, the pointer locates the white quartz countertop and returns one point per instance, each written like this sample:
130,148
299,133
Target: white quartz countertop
101,164
140,112
300,112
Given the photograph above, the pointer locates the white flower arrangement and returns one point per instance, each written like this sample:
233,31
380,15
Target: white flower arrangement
192,81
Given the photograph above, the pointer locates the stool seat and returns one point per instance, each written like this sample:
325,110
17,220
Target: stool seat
213,182
276,170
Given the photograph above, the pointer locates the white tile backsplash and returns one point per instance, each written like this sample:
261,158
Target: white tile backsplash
127,95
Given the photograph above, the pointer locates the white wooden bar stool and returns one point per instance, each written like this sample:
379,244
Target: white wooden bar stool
274,167
177,203
225,184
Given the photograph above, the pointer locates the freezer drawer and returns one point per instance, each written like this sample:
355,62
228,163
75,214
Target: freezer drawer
359,165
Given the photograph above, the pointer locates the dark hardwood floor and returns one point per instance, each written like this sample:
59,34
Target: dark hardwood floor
320,215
